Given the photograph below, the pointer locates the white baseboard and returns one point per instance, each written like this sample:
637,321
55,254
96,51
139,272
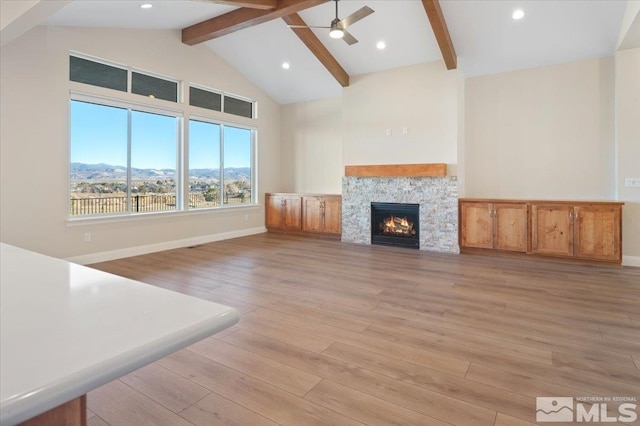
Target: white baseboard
631,261
106,256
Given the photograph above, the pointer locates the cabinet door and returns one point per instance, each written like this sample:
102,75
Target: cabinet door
292,213
274,211
597,232
476,228
333,215
510,227
552,229
312,216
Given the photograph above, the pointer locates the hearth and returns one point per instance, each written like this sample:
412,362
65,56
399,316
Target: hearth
395,224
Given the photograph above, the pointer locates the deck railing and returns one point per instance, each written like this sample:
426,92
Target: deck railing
146,203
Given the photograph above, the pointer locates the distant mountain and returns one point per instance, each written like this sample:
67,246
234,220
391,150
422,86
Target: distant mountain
230,173
93,172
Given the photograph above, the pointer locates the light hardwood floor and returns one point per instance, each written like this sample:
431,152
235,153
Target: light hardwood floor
344,334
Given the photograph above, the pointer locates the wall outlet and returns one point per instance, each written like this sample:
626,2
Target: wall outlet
246,217
388,132
632,182
405,130
87,237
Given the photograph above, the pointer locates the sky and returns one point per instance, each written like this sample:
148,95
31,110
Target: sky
99,135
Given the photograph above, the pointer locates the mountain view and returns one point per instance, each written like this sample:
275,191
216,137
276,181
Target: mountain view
103,188
81,172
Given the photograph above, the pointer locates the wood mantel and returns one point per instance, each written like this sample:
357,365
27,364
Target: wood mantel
399,170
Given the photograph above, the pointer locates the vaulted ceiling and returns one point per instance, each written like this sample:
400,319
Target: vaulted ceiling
253,36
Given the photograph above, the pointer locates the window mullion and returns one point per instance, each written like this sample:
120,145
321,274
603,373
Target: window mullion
254,168
129,204
223,191
182,166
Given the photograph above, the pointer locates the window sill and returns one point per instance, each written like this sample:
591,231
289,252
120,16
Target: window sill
96,220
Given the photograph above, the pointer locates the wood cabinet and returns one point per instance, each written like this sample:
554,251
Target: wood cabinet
584,231
577,231
316,214
283,212
500,226
551,229
322,214
598,232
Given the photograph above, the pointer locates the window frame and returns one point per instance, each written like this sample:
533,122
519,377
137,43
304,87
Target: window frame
182,155
223,95
210,90
85,92
131,106
130,70
253,156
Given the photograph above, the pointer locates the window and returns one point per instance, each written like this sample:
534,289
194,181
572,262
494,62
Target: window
205,98
122,160
237,165
97,74
154,147
238,107
154,87
100,74
204,164
129,158
213,182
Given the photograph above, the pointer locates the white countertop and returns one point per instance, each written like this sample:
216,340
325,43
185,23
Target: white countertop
66,329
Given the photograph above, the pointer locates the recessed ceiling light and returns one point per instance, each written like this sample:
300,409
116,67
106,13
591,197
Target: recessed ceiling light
518,14
286,65
146,6
381,45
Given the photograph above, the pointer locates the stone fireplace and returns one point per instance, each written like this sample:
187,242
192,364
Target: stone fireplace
436,197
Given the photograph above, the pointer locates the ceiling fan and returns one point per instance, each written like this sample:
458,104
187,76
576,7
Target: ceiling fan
338,28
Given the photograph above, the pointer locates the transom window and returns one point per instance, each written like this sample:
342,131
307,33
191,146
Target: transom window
215,101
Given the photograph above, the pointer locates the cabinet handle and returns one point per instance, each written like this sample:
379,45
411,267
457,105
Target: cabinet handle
575,216
570,215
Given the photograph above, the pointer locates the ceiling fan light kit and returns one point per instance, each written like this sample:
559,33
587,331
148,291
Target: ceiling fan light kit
336,31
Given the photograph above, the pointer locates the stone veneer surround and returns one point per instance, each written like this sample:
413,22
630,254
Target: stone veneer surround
437,197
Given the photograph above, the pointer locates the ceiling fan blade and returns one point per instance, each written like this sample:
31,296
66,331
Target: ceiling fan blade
348,38
355,17
307,26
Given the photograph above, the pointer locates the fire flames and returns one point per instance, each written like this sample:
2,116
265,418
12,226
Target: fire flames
397,226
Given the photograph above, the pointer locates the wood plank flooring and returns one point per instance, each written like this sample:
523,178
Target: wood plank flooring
344,334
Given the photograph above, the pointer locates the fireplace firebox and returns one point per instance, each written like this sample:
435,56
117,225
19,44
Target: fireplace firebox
395,224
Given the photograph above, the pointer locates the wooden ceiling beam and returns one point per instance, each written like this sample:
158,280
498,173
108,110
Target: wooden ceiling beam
440,30
317,48
242,18
253,4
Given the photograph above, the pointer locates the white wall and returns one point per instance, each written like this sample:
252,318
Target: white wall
542,133
34,138
19,16
628,147
422,98
321,137
312,147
